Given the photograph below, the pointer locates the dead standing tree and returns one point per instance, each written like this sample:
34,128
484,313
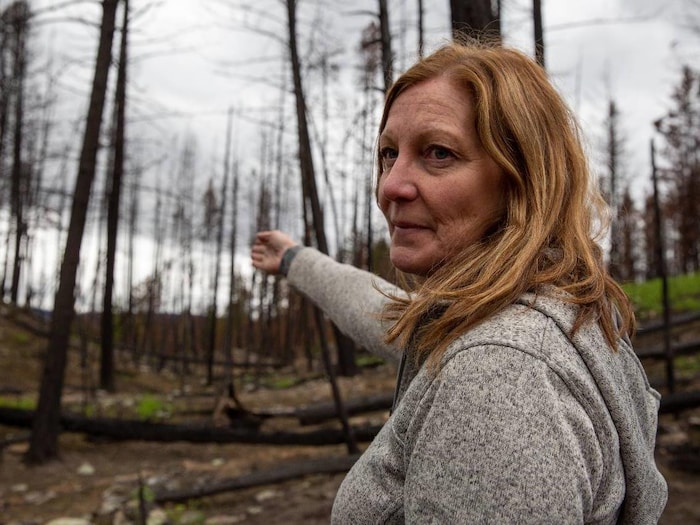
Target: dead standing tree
45,429
107,331
538,31
680,129
15,26
628,223
311,196
387,54
376,48
614,151
213,308
233,306
476,18
345,346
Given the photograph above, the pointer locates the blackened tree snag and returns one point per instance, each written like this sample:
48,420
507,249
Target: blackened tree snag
46,425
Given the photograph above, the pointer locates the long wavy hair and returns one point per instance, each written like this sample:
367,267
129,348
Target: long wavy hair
547,237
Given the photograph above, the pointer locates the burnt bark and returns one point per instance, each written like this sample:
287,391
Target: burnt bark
107,331
476,18
387,54
538,31
126,430
311,195
46,423
18,18
319,412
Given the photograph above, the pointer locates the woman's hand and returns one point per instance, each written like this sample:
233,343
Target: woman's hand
268,249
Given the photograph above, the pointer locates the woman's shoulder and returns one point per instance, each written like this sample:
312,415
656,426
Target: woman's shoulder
536,325
523,323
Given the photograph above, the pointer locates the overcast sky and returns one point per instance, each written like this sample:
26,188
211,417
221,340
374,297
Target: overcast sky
193,60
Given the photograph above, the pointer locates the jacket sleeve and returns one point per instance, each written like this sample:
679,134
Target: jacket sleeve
498,438
350,297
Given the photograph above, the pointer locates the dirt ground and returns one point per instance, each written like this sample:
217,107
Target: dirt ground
92,475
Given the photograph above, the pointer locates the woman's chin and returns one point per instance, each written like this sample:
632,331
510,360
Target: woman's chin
410,263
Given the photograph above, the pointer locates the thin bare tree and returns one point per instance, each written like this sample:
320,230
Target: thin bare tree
476,18
15,19
614,147
387,54
231,312
680,129
45,427
113,212
628,236
213,308
538,31
421,29
311,197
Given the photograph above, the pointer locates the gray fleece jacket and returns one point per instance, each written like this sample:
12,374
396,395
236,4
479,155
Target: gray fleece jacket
521,424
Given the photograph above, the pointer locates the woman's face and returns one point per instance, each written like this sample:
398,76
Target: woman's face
439,189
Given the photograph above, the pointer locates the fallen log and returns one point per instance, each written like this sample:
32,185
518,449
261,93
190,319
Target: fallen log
129,429
677,349
290,470
676,321
678,401
322,411
11,440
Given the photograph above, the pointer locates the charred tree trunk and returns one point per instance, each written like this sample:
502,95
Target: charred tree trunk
539,31
476,18
344,344
46,423
230,314
107,332
153,286
628,224
613,158
421,44
213,311
387,54
20,174
130,326
662,274
311,194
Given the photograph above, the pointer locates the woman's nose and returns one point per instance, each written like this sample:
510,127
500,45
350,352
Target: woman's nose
398,182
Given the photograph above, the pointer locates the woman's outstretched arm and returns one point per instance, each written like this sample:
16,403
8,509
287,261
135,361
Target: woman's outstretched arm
350,297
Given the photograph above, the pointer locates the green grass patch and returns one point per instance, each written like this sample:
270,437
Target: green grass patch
688,364
280,383
186,513
369,360
683,293
148,494
20,402
151,407
21,338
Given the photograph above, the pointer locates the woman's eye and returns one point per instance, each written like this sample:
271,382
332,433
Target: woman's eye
439,153
387,153
388,156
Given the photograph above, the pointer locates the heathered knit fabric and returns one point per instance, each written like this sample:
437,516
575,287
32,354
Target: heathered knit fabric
521,424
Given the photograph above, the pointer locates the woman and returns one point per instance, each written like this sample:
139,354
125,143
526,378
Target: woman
519,398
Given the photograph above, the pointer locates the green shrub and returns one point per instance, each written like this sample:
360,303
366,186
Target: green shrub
688,364
21,338
369,360
280,383
151,407
683,293
21,403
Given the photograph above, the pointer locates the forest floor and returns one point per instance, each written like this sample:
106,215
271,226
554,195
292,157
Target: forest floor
92,474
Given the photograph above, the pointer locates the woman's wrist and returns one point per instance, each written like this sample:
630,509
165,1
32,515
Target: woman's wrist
287,258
